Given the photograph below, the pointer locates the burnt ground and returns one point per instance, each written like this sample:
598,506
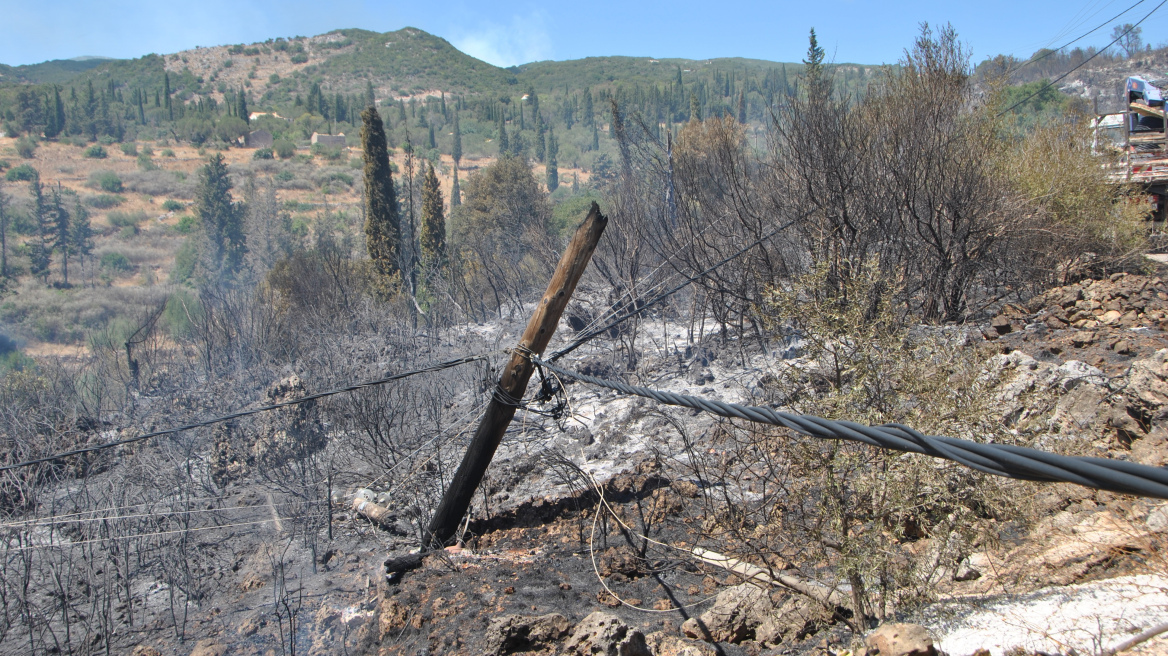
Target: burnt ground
525,574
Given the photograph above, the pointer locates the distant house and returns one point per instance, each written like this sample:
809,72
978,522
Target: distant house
258,139
328,139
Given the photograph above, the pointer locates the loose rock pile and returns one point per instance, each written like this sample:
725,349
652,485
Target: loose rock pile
1123,300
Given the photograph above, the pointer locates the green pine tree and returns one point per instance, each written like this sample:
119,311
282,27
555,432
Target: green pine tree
62,228
815,79
382,222
80,231
40,251
433,237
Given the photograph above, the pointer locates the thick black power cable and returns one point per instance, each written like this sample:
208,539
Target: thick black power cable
997,459
628,314
1084,62
244,413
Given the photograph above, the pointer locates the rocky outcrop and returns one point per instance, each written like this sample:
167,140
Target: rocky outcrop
749,613
900,640
602,634
517,633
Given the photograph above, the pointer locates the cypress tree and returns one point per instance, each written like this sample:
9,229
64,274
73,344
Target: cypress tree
742,107
455,192
588,111
540,141
141,109
695,108
241,107
222,219
370,96
382,223
401,111
58,112
553,169
456,147
165,94
433,237
595,138
430,138
4,234
504,146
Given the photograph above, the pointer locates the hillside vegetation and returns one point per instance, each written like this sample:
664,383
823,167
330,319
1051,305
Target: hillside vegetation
889,246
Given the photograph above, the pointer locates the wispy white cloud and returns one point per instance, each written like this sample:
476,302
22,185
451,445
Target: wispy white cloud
521,40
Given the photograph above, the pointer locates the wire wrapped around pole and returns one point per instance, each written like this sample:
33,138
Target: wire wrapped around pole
998,459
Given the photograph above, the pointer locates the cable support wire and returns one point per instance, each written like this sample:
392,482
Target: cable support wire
998,459
63,520
245,413
584,337
1084,62
1049,52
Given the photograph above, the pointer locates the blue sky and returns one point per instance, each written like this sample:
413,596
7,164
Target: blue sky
517,32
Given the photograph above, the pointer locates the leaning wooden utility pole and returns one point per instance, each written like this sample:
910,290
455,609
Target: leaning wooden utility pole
513,382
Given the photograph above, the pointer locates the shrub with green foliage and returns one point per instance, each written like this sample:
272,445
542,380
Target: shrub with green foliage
116,263
181,308
146,163
184,262
167,152
262,153
26,147
299,58
284,149
96,152
331,153
171,205
186,224
106,181
22,173
130,149
126,219
104,201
